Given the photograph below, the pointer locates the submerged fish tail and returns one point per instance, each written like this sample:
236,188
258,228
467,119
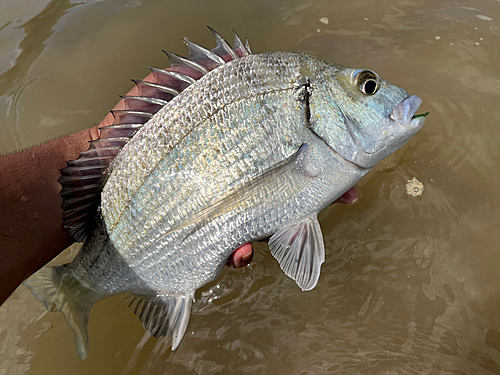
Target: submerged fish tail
60,291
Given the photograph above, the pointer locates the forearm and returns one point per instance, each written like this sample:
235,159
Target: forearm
31,230
31,217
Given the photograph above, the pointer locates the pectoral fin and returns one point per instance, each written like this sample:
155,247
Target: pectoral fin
300,251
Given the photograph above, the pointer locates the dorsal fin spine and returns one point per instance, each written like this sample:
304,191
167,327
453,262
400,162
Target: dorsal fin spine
145,99
247,46
91,159
176,60
176,75
69,171
222,45
157,86
197,52
118,126
125,139
239,46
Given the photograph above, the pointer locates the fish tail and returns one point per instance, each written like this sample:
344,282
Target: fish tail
60,291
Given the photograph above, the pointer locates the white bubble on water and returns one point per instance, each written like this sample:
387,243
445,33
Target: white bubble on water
414,187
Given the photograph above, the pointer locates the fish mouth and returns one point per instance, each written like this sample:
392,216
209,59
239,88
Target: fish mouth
404,112
392,131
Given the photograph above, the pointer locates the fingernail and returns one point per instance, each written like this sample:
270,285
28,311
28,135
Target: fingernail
246,257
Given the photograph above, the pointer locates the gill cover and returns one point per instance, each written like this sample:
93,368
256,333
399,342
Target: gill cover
353,112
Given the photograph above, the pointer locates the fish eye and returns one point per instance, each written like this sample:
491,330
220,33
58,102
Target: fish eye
366,81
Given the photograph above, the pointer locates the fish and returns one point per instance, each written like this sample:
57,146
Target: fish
226,147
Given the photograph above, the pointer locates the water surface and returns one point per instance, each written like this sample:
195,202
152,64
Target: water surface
410,284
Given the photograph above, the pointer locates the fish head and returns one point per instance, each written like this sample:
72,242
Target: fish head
359,115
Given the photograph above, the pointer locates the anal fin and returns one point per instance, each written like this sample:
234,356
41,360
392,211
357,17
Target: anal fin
164,315
300,251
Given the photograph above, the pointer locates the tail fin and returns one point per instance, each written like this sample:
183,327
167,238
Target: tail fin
59,291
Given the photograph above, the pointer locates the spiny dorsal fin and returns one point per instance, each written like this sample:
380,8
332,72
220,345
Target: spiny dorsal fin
83,179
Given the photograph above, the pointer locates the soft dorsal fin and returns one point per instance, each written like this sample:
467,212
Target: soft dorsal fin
300,251
164,315
82,180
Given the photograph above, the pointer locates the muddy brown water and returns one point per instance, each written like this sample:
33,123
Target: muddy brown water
411,285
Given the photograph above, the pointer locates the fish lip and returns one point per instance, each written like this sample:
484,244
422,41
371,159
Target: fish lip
403,113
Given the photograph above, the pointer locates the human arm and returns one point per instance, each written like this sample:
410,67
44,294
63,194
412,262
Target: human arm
31,224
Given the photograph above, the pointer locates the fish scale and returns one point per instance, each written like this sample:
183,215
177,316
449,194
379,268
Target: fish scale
218,169
174,198
216,92
225,148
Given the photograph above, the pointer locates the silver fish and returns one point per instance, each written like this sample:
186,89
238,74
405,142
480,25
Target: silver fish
234,147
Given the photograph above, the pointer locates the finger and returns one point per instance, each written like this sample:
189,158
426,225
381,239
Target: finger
349,197
241,256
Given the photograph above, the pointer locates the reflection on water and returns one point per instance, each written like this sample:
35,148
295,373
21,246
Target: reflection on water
410,284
